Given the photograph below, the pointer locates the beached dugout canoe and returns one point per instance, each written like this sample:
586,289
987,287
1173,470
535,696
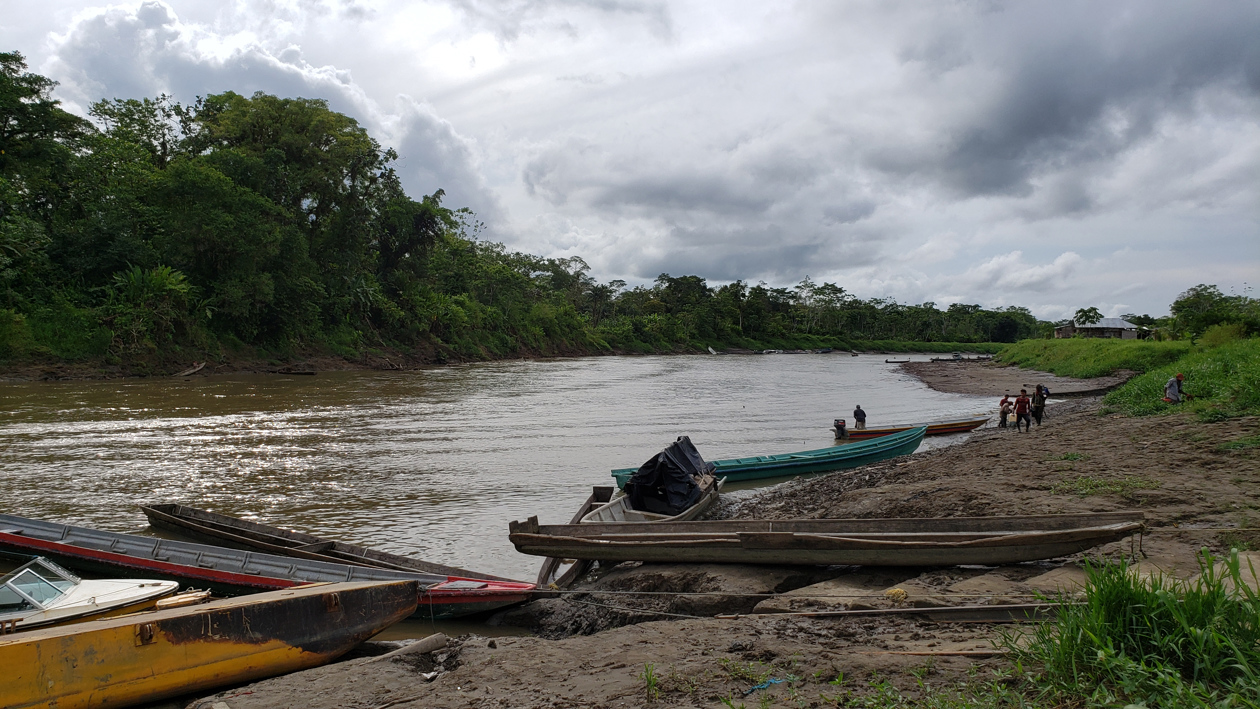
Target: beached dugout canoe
235,571
934,428
759,467
150,656
215,528
866,542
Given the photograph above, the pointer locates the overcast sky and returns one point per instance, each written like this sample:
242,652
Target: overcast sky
1053,155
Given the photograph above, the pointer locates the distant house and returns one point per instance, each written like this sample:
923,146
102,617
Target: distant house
1107,327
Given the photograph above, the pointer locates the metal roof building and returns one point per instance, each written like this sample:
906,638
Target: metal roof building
1107,327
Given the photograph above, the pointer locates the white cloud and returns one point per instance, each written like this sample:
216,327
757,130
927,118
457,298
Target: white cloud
1048,154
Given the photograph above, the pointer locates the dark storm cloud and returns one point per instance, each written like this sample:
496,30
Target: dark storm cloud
729,254
1077,84
133,53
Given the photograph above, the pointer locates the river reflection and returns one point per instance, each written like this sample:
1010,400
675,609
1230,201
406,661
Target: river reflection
431,463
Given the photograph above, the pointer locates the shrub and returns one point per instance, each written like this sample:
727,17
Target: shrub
1092,357
1154,641
1224,381
1218,335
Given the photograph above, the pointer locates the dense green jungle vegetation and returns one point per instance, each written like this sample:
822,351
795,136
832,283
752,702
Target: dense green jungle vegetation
272,228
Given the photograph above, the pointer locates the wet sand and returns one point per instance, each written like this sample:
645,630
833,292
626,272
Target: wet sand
592,645
994,379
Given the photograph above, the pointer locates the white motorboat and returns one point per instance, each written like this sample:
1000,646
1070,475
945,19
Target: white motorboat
41,593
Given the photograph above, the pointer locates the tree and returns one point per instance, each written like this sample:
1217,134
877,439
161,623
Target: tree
1087,316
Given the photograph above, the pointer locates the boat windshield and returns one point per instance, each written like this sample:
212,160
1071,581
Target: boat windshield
35,584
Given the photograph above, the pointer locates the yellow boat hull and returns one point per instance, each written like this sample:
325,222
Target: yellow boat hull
151,656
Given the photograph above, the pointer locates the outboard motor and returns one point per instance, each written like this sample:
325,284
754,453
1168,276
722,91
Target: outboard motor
842,433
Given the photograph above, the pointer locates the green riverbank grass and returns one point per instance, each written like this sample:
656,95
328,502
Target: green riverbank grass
1151,641
1224,381
1092,357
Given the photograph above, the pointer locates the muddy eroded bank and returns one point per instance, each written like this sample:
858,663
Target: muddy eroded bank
646,632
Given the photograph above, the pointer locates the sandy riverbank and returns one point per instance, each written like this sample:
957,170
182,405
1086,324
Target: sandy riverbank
591,646
995,379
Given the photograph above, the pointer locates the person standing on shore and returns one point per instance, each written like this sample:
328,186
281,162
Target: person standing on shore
859,419
1004,408
1022,407
1039,403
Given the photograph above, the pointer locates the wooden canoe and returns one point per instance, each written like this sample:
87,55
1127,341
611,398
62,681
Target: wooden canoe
822,460
934,428
234,571
150,656
601,503
866,542
215,528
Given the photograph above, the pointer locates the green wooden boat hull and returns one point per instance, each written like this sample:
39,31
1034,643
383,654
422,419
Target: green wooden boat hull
815,461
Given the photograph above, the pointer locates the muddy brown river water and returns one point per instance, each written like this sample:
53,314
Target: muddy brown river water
431,463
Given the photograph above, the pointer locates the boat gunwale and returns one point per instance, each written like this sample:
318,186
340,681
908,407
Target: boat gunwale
504,591
211,528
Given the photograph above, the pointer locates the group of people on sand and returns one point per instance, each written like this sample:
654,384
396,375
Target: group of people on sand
1024,408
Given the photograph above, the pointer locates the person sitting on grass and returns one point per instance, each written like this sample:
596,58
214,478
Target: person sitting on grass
1173,393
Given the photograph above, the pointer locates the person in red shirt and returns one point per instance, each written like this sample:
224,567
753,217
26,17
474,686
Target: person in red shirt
1004,408
1022,408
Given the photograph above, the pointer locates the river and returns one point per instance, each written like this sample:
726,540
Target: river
431,463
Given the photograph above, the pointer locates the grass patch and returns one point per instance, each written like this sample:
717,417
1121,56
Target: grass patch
974,693
1240,444
1072,456
1152,641
1084,486
1092,357
1224,381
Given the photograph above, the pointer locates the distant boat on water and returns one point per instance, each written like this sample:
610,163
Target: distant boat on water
935,428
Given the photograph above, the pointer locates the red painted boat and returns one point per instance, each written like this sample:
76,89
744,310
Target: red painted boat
935,428
234,571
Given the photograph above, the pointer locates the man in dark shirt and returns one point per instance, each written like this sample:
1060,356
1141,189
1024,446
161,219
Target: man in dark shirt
859,418
1039,403
1022,408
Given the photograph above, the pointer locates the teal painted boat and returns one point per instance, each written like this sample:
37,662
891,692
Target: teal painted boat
815,461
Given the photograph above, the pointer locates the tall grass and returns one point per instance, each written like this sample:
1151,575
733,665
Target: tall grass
1092,357
1154,641
1224,381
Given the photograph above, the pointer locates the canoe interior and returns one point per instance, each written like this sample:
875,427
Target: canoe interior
618,509
239,533
547,575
